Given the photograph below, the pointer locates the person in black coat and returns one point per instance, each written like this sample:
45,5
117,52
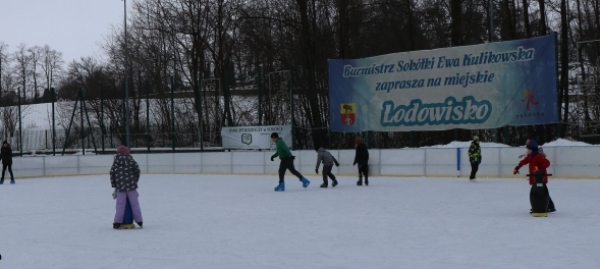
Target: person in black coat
362,159
6,156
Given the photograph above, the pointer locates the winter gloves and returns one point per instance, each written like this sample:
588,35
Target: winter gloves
317,171
336,163
475,161
516,170
272,158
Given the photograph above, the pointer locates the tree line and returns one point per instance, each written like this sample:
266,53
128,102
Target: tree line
215,49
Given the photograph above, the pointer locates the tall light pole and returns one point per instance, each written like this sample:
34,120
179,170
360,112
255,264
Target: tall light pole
126,122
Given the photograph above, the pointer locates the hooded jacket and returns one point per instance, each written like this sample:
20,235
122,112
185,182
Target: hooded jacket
6,154
362,154
124,173
282,150
325,157
475,151
537,161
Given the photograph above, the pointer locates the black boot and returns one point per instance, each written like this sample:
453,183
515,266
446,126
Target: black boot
324,185
335,183
1,181
367,181
116,225
140,224
359,182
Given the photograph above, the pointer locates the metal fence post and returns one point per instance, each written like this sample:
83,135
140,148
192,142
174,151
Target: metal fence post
81,115
53,92
172,114
201,136
124,132
20,120
102,129
259,96
148,114
292,102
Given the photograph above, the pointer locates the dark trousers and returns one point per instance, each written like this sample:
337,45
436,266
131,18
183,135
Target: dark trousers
9,166
288,164
363,169
474,168
327,173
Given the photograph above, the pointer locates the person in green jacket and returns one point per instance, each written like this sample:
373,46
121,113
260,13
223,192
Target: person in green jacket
287,162
474,156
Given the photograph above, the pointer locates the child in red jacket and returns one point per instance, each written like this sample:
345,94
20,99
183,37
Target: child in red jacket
537,161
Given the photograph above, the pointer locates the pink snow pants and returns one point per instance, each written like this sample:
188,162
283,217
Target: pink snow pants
122,197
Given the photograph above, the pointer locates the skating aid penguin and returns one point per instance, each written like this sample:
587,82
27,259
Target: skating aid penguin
538,196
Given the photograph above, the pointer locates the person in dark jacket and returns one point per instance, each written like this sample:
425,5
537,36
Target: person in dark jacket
362,159
124,177
6,156
287,162
328,160
474,157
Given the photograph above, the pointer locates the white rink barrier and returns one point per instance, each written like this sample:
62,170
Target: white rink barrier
566,162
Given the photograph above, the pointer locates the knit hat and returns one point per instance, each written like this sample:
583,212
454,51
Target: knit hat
533,145
122,150
274,135
475,137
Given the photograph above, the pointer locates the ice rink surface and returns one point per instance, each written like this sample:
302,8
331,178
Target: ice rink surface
233,221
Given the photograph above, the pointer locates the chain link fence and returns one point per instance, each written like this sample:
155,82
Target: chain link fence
175,116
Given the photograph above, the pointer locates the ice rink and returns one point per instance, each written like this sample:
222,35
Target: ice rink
232,221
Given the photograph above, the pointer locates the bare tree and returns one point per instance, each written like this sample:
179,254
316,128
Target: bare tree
23,61
35,56
51,65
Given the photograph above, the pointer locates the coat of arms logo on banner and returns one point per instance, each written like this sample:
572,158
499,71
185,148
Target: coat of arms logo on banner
348,113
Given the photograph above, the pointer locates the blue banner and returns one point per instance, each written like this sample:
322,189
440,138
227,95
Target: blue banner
471,87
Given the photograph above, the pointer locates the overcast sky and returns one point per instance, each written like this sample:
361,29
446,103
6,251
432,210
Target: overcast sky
76,28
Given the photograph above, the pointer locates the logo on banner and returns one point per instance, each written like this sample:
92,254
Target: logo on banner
246,138
529,101
348,113
529,98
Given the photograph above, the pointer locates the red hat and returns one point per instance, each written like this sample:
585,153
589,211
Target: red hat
122,150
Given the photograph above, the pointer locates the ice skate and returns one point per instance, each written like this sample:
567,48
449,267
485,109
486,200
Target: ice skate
335,183
305,182
280,187
324,185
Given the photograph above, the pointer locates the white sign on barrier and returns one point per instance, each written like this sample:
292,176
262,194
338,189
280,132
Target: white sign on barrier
254,137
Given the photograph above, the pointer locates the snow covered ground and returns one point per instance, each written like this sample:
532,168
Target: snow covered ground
232,221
